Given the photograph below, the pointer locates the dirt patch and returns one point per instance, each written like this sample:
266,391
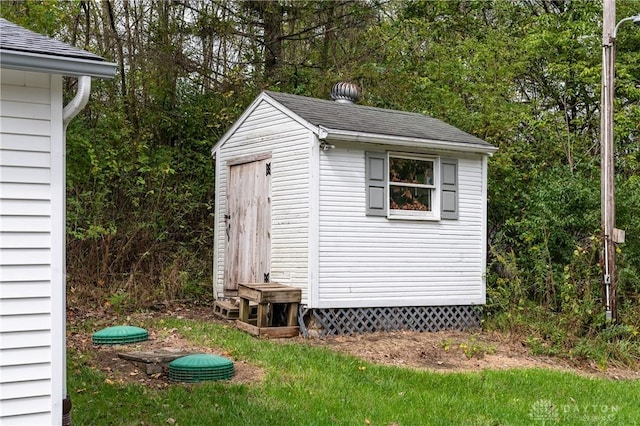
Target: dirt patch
445,351
457,351
105,358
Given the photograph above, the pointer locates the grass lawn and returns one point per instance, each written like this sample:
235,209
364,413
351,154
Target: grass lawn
308,385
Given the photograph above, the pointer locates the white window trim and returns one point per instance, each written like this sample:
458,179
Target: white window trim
434,214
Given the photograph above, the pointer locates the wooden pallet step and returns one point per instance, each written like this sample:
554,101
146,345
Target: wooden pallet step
229,310
269,332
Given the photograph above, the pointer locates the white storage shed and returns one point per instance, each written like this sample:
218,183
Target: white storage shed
32,218
379,216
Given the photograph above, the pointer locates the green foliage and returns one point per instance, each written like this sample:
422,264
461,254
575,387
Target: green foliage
553,235
141,205
628,206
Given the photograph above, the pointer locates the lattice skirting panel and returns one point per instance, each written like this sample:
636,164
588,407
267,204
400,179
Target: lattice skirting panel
340,321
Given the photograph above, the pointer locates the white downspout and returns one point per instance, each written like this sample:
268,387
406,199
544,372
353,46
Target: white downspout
72,109
78,102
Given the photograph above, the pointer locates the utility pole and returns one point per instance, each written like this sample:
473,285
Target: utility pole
609,281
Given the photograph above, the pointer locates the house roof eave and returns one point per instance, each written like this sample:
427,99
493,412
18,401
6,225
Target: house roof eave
63,65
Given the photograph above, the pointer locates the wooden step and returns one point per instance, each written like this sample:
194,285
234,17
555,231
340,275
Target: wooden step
227,309
269,332
275,303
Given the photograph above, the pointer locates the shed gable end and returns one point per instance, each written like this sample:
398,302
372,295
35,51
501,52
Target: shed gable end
266,130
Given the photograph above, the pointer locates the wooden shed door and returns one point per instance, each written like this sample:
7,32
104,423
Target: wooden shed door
248,221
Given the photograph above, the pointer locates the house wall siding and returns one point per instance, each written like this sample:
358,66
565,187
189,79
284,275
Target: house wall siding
31,147
368,261
267,130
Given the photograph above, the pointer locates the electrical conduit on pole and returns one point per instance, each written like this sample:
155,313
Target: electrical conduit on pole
610,235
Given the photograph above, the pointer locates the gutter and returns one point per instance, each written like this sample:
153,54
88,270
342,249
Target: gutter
64,65
351,136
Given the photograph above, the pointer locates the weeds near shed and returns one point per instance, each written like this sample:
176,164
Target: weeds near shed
572,325
119,300
563,335
472,348
476,349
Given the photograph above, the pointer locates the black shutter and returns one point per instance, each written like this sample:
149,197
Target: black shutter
376,175
449,188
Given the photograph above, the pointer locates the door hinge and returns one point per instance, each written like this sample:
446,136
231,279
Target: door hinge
267,278
268,169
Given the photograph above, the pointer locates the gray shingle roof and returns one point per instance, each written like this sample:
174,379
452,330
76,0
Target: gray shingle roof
371,120
16,38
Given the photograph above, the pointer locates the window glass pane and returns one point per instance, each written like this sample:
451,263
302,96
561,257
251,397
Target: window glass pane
411,171
409,198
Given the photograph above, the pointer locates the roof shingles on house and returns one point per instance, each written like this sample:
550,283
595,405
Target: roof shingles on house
14,37
375,121
25,50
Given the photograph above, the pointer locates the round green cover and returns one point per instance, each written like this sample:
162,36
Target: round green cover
120,334
200,367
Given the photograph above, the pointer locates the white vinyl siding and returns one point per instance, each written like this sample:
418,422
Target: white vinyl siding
14,414
30,104
367,261
267,130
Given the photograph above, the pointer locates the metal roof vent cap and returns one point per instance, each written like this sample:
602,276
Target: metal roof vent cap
345,93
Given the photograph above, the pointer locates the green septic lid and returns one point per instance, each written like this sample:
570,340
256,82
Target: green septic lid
120,334
200,367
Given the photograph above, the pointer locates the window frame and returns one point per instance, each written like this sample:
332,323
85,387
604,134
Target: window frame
434,213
